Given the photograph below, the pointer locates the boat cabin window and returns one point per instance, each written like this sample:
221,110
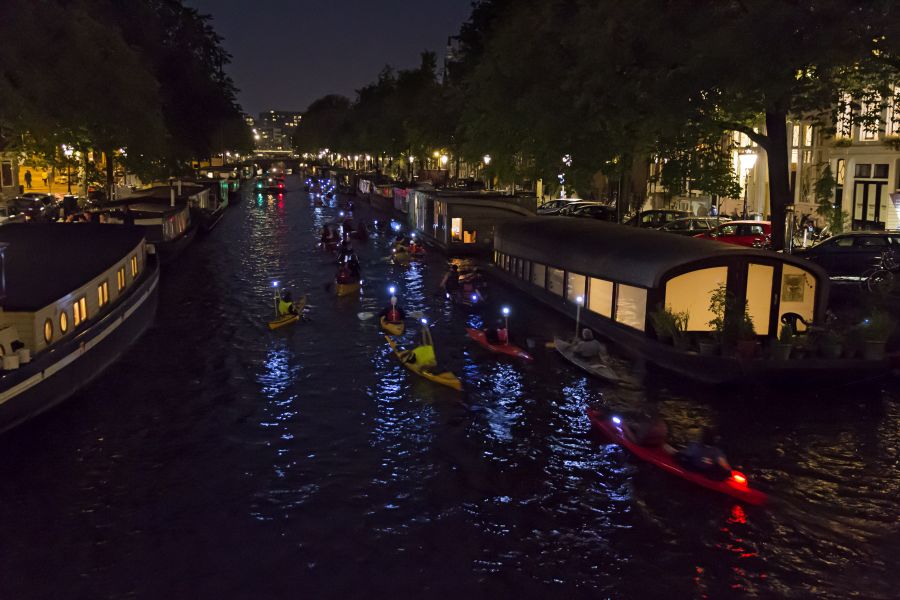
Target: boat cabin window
556,280
496,256
102,294
575,286
539,275
120,279
79,311
134,267
48,330
631,306
759,296
63,322
600,297
690,293
798,292
456,229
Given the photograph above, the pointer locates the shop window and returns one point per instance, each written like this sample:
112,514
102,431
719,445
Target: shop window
690,293
48,330
102,294
600,297
631,306
456,229
79,311
134,267
63,322
539,275
798,292
120,279
759,296
575,286
556,281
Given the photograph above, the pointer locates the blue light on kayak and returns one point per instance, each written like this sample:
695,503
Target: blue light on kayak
617,420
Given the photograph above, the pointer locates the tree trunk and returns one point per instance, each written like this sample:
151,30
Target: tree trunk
779,176
110,179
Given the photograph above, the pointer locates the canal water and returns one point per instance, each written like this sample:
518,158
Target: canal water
218,459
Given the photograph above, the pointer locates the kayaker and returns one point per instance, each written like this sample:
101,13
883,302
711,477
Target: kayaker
652,433
423,354
450,283
497,335
393,313
702,456
286,304
587,347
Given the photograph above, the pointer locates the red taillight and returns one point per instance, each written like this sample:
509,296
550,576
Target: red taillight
738,478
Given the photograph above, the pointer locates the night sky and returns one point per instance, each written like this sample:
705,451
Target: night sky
288,53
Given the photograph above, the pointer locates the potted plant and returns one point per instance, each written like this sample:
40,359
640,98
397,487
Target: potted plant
731,323
671,326
781,349
746,335
876,330
829,342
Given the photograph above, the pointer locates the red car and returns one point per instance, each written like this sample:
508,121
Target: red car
756,234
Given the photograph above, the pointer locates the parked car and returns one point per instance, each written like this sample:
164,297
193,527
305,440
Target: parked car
552,207
851,254
50,203
570,208
693,225
595,211
654,219
9,214
756,234
32,208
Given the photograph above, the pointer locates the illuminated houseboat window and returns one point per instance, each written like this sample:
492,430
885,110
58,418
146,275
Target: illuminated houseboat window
120,279
539,275
556,281
690,293
456,229
48,330
134,267
798,292
575,286
759,296
631,306
79,311
64,322
102,294
600,297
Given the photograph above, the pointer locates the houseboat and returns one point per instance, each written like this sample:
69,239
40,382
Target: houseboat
464,222
614,277
208,200
62,322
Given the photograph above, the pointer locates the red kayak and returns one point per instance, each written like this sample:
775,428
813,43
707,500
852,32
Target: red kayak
735,486
500,348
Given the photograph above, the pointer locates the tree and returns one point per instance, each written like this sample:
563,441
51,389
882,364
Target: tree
324,125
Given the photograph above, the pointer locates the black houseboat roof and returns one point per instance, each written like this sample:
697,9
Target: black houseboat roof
622,253
44,262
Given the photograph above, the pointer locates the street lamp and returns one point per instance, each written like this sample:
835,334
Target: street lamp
487,159
68,151
746,160
444,159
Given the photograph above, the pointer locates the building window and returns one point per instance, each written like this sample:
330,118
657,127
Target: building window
48,330
6,174
556,281
539,275
102,294
63,322
134,267
79,311
600,297
844,125
456,229
120,279
631,306
575,287
863,171
526,270
880,171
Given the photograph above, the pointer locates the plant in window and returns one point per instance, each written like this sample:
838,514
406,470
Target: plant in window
731,322
670,325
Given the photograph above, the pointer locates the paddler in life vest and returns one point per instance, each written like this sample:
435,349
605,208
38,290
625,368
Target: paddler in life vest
393,313
498,334
423,354
286,304
702,456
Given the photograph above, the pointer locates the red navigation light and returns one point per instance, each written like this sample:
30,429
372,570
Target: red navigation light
738,478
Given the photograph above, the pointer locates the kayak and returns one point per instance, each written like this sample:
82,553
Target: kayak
468,300
595,367
346,289
289,318
392,328
500,348
446,378
735,486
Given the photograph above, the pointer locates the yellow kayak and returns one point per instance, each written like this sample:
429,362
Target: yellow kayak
346,289
446,378
392,328
289,318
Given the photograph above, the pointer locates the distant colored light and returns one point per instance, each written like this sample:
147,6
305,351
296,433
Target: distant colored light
474,298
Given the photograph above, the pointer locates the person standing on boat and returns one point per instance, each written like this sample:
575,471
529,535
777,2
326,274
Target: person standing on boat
587,347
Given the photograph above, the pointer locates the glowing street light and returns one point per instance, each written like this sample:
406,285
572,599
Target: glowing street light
444,159
486,159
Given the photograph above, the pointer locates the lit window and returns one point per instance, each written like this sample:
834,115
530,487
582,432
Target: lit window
134,267
556,280
538,274
48,330
102,294
496,257
79,311
631,306
600,297
689,293
63,322
575,286
120,279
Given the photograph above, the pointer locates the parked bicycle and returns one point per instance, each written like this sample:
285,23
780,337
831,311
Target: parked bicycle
880,278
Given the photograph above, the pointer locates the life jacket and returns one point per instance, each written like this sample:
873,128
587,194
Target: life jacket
284,307
425,356
502,336
393,316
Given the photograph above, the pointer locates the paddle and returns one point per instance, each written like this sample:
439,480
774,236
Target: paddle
364,316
